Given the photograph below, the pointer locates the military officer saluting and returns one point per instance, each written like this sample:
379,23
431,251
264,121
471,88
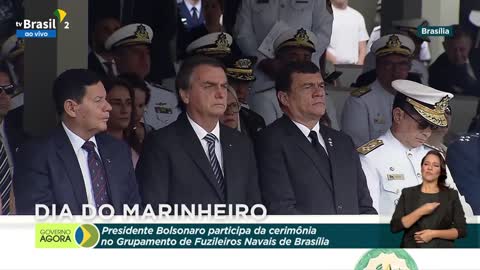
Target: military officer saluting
367,113
393,161
131,49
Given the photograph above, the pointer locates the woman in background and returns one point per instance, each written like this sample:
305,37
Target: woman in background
142,97
430,214
122,98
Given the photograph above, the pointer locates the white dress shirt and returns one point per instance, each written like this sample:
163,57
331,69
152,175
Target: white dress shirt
82,157
201,133
104,66
306,131
198,6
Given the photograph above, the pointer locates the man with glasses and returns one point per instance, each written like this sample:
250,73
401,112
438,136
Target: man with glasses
305,167
367,112
6,192
393,161
240,77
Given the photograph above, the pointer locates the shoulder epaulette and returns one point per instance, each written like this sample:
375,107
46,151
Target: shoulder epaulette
157,85
266,89
433,147
360,91
369,146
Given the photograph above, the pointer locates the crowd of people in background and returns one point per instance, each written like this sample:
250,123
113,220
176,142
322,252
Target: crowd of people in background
211,101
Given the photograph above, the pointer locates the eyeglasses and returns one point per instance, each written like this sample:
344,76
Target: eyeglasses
422,123
233,107
9,89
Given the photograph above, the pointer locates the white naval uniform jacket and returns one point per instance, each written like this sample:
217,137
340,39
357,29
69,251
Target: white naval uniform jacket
392,167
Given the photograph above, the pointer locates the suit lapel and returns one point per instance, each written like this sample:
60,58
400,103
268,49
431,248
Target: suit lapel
332,153
194,148
302,142
186,14
70,163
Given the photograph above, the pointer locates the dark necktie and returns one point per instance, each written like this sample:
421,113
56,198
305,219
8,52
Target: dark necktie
109,66
320,150
194,15
217,171
5,180
97,174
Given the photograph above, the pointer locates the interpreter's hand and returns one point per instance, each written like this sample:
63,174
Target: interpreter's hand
428,208
423,237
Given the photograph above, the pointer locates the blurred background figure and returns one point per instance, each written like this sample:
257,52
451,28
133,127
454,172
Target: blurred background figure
142,98
457,70
367,112
100,59
231,117
430,214
346,48
191,13
463,159
240,77
120,123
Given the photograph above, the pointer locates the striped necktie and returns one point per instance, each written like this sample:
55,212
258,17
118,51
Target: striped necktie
97,174
5,180
217,171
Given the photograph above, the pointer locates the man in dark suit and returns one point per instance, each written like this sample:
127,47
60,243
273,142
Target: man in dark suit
463,159
196,160
100,59
190,13
76,165
305,167
458,69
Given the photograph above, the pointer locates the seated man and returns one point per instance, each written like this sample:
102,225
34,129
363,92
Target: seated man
77,164
305,167
457,70
393,161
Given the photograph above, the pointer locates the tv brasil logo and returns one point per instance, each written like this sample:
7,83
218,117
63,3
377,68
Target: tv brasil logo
42,29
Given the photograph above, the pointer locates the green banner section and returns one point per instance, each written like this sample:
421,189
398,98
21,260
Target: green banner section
55,235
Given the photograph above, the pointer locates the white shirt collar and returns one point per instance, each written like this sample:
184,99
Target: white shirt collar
76,141
305,130
198,6
201,132
391,137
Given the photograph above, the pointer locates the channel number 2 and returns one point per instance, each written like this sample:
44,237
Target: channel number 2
67,25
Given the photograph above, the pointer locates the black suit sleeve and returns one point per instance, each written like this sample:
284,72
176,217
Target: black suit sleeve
458,215
396,224
134,197
31,184
277,191
153,172
365,202
253,196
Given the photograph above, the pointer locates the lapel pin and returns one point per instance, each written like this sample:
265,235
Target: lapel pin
330,141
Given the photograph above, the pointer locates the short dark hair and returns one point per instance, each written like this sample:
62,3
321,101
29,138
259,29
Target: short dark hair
459,32
136,82
443,169
184,75
72,84
283,80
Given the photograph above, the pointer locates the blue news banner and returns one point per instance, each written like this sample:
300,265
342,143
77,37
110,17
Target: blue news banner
257,236
36,33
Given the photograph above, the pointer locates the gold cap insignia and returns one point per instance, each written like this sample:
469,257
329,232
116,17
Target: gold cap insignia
436,115
243,63
394,42
222,42
141,32
301,36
